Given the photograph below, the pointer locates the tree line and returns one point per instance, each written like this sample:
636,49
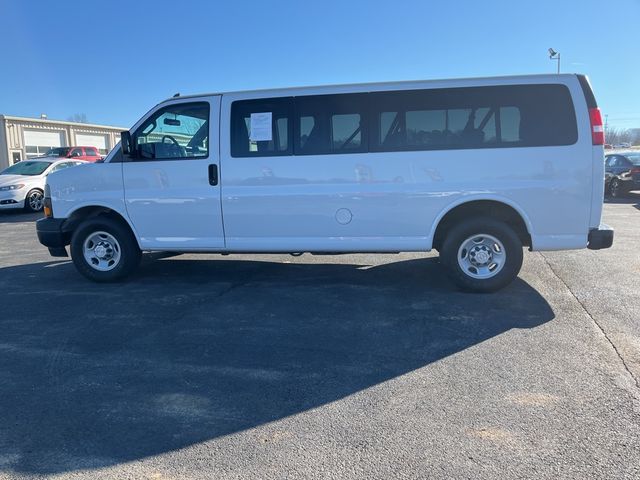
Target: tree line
615,136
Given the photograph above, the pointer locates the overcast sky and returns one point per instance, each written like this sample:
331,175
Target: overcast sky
114,60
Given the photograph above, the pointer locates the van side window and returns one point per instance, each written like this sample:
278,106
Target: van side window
509,124
179,131
330,124
273,139
477,117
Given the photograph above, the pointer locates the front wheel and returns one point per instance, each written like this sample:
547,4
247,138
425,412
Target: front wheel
482,254
34,201
104,250
615,188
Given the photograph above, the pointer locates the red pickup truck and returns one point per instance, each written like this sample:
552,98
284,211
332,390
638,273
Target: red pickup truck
88,154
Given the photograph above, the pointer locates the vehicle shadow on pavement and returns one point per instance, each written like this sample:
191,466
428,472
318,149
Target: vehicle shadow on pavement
187,351
18,216
629,198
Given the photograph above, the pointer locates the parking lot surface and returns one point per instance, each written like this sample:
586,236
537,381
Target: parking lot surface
350,367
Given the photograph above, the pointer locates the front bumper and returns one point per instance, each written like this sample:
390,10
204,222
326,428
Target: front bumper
12,199
51,235
601,237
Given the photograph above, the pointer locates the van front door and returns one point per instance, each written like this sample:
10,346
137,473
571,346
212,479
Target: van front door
171,185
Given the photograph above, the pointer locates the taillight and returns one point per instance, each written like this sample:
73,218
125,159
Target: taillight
597,129
635,171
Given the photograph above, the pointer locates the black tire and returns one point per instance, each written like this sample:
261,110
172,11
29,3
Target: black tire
129,254
615,188
31,204
466,229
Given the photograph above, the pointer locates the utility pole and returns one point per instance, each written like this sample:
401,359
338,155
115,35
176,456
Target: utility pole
553,55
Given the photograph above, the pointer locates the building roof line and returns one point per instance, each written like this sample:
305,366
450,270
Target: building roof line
61,122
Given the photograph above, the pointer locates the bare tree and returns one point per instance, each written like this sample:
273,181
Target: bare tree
616,136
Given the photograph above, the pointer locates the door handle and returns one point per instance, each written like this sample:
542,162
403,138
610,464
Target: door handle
213,175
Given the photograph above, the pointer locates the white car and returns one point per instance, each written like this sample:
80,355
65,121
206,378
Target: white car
22,184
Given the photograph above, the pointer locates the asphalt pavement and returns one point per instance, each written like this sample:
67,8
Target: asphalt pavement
349,366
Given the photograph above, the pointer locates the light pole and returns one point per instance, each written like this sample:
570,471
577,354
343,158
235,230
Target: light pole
553,55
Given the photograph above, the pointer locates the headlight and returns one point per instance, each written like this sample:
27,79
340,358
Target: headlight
17,186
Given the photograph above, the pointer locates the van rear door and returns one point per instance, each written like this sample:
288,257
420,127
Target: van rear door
171,183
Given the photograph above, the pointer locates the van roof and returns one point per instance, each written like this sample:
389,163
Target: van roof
404,84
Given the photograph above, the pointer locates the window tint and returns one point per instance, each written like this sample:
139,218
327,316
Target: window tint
62,166
515,115
76,152
453,118
91,151
179,131
261,127
57,152
620,161
634,158
509,124
346,133
26,168
330,124
307,124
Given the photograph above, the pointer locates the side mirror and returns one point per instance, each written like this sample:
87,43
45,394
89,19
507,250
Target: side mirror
126,143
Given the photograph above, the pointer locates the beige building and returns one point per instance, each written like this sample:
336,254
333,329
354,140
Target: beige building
22,138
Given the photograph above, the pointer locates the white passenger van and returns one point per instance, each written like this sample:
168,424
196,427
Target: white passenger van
475,168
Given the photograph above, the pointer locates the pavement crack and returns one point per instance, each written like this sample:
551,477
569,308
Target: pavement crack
231,287
636,381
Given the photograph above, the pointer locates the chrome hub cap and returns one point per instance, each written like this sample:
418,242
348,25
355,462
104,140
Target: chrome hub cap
102,251
481,256
36,201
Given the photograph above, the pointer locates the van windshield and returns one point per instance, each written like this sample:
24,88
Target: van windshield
26,168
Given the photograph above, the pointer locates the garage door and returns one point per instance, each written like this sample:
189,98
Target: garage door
37,142
99,141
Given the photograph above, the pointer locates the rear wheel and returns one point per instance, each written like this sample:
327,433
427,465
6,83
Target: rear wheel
482,254
34,200
104,250
615,188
